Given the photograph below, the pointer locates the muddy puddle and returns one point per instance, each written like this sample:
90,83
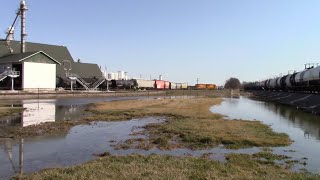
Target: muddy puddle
303,128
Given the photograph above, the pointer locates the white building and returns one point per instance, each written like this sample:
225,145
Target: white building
120,75
33,70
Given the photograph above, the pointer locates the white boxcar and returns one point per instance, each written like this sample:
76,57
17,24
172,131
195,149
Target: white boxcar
173,85
144,84
178,85
184,85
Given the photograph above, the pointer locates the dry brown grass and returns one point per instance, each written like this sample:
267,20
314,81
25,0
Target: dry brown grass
190,124
168,167
190,107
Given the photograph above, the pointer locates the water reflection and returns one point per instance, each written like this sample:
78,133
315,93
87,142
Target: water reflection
310,124
42,111
38,112
78,146
303,128
16,160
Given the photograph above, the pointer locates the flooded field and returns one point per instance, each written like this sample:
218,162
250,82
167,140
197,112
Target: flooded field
51,110
303,128
84,142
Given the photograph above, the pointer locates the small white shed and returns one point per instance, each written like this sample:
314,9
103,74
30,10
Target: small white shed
37,70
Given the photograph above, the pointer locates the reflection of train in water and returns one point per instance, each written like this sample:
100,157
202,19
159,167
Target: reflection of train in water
140,84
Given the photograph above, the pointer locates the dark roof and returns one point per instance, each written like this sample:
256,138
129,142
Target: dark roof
86,70
15,57
59,53
22,56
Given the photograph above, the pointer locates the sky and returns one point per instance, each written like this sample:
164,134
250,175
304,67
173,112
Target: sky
182,40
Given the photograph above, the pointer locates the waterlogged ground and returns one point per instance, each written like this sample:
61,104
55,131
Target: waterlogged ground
303,128
78,146
85,142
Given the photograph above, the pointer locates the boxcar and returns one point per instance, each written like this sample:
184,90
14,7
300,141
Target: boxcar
184,85
178,86
211,86
201,86
144,84
167,85
173,85
159,84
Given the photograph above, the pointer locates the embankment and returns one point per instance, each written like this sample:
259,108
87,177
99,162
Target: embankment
304,101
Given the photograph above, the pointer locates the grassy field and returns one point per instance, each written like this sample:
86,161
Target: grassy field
189,124
238,166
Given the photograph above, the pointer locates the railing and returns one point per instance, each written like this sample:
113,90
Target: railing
86,85
10,73
79,80
3,75
95,85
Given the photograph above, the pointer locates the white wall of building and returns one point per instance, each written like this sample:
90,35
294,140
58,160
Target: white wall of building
39,75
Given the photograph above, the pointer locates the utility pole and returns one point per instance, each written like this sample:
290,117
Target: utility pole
197,80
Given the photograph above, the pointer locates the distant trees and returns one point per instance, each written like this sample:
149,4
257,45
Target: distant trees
232,83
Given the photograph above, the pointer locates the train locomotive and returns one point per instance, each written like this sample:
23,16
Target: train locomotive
307,80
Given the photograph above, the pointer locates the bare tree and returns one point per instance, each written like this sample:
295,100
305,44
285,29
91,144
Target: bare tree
232,83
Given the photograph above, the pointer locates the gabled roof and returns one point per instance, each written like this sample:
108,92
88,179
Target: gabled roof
23,56
59,53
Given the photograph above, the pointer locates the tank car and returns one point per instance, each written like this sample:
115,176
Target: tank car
123,84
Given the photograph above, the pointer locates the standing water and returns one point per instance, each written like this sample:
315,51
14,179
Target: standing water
82,142
302,128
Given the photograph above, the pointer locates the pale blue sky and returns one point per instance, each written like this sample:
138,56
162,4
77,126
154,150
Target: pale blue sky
181,39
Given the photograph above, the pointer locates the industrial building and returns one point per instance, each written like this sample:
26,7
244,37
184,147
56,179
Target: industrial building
26,65
89,73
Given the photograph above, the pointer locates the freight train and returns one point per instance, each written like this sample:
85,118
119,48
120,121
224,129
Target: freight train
205,86
307,80
140,84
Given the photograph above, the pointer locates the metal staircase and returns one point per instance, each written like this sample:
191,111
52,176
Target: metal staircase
85,84
96,84
3,75
10,73
81,81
